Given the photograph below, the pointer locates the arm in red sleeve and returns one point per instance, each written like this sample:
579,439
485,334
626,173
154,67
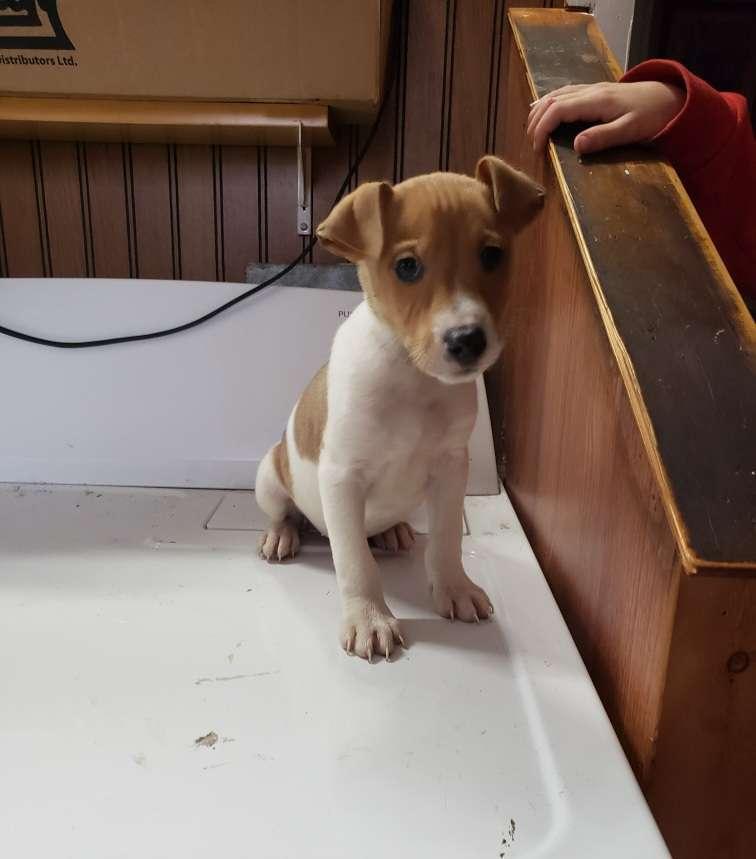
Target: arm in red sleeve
711,145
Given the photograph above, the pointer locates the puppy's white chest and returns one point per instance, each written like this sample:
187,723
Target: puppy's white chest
414,438
412,442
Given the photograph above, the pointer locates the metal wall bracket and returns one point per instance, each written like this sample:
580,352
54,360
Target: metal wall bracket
304,186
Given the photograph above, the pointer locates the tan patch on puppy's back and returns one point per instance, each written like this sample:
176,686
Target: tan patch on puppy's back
310,416
281,462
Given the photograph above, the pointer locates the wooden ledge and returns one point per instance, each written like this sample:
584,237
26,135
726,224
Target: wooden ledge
683,339
120,120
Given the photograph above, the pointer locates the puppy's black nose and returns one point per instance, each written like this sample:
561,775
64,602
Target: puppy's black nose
465,344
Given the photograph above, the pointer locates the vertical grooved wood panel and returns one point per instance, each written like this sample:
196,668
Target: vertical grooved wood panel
240,208
152,211
283,241
329,169
425,86
39,192
218,214
197,212
380,160
108,208
3,251
471,80
65,209
18,204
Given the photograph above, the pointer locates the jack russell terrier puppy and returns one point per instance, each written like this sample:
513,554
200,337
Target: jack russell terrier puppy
384,426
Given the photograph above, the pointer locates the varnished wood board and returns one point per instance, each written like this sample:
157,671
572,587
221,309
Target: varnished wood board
117,120
683,339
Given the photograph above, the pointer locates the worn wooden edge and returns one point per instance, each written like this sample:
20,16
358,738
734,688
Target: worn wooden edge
147,121
690,561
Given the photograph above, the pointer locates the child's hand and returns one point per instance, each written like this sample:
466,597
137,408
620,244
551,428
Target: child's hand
628,113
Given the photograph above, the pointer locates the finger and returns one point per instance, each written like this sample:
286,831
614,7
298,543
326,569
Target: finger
588,103
540,104
537,112
619,132
569,108
548,101
561,91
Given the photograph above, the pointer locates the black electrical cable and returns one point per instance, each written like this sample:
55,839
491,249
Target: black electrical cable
153,335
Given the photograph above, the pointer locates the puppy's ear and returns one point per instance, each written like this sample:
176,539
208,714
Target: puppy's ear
355,228
515,196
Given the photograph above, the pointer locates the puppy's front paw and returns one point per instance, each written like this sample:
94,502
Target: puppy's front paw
279,542
369,627
460,599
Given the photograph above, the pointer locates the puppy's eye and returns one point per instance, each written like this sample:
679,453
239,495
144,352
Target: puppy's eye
408,269
491,257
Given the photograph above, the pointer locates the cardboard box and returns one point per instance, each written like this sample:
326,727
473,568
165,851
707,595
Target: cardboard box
325,51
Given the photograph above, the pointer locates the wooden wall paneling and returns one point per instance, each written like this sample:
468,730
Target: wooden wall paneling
448,84
240,210
197,209
383,161
471,62
39,191
109,208
66,208
426,45
3,252
283,241
330,166
219,214
152,211
499,60
21,218
706,755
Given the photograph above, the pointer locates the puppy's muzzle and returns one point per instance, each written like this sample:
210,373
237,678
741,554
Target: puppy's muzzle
465,344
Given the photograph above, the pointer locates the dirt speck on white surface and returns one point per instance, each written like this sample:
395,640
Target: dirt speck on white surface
139,759
507,840
208,740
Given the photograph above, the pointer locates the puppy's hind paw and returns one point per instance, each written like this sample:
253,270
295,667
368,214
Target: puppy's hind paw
399,538
279,542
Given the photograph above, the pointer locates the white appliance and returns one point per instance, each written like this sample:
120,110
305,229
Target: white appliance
198,409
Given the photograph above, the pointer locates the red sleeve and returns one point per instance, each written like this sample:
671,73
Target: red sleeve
711,145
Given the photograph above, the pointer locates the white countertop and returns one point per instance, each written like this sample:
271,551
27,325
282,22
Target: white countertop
129,630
